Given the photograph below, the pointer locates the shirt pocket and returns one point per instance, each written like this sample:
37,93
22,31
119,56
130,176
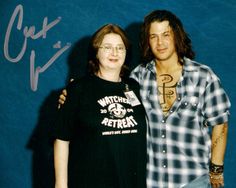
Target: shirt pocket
188,108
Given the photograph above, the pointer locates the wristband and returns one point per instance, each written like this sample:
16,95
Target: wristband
216,169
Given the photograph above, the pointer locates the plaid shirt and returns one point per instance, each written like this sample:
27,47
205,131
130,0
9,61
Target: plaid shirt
179,144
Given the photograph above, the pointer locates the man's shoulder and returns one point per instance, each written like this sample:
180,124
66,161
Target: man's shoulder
203,70
138,67
192,65
143,67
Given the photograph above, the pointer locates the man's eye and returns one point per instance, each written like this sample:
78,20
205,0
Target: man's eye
152,37
166,34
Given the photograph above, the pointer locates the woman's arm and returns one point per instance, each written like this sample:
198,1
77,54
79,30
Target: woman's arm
61,153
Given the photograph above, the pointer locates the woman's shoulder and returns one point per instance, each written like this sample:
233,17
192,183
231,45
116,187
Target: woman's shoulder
79,82
132,83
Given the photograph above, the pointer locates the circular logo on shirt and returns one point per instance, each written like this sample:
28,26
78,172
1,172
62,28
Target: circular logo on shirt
117,110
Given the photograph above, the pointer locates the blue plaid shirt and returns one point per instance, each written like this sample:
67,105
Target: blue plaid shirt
179,144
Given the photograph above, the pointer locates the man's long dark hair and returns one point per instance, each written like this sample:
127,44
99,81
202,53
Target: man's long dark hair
182,42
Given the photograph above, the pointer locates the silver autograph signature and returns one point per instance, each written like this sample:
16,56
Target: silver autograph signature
29,32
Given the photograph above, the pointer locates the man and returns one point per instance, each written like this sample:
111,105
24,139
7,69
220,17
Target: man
182,99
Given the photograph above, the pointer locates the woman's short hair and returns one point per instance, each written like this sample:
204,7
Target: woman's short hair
96,41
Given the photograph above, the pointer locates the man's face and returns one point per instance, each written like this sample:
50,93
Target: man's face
161,41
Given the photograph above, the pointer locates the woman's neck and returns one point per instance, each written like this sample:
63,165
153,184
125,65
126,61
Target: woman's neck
109,76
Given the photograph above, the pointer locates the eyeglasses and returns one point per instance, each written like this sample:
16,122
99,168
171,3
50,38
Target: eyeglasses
108,48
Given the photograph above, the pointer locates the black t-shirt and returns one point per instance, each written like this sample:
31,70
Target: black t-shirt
107,134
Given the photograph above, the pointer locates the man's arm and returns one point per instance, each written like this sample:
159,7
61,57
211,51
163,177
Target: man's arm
218,147
62,98
219,139
61,153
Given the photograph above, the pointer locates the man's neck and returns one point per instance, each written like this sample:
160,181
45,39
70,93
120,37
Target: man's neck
169,65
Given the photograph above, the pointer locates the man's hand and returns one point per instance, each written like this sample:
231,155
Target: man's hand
217,180
62,98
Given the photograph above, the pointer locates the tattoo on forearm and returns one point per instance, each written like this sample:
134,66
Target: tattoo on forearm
219,138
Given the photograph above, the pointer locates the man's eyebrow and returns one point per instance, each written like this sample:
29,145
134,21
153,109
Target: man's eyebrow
167,31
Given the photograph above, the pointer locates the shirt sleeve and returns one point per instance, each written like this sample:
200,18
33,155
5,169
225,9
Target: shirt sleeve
64,124
216,102
135,73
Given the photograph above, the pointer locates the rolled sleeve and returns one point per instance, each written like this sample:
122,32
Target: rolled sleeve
217,104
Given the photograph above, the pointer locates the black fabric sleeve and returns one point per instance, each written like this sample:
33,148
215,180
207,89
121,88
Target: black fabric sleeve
63,128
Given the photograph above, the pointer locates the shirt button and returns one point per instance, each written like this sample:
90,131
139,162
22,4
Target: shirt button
163,121
171,111
178,98
185,103
163,151
164,166
163,136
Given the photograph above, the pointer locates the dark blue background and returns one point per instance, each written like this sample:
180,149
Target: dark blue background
26,116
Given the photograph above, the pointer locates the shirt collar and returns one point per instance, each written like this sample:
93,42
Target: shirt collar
151,66
188,66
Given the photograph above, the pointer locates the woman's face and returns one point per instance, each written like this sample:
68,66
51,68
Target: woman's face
111,53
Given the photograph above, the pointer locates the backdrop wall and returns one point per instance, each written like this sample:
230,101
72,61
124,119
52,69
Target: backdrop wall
43,43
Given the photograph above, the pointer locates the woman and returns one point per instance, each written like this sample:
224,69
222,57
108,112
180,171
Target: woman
101,129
